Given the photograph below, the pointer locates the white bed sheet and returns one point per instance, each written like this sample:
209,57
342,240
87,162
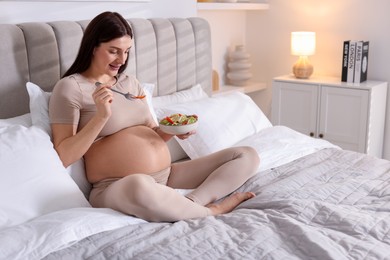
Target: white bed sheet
279,145
41,236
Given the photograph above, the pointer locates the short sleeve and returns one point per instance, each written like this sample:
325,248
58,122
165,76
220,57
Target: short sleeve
65,102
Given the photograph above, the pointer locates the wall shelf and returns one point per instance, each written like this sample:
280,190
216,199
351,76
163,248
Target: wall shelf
232,6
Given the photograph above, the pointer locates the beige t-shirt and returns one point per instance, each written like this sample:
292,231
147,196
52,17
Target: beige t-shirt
71,103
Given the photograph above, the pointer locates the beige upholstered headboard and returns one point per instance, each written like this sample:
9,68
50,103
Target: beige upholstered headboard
174,54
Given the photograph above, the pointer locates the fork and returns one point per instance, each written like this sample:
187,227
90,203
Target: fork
126,95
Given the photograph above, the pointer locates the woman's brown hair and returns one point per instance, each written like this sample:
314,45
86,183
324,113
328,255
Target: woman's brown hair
103,28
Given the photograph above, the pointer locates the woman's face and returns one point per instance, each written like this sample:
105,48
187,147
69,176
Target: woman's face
108,57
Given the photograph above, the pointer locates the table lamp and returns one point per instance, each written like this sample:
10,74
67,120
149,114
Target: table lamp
303,44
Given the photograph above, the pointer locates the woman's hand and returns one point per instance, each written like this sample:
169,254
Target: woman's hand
186,135
166,137
103,98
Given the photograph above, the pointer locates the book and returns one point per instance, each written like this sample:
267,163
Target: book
358,61
351,61
361,63
344,71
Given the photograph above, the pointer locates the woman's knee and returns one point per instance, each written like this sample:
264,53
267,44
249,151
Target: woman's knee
137,188
250,156
127,191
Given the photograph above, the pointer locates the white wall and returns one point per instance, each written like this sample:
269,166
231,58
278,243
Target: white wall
227,31
28,11
268,39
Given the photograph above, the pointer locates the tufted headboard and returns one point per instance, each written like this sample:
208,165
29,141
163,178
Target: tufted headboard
174,54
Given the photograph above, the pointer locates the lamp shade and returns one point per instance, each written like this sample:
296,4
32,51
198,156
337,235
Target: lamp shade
303,43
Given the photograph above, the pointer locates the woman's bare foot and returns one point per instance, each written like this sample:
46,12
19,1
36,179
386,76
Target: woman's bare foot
228,204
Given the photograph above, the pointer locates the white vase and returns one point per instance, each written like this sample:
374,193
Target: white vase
239,67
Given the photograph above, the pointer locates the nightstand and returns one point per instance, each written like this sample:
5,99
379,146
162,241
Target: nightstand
351,116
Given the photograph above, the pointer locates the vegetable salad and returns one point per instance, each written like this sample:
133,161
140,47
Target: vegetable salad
179,119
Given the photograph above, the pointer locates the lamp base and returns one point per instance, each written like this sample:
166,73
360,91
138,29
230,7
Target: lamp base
302,69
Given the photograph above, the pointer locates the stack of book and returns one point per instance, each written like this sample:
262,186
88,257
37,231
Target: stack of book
355,61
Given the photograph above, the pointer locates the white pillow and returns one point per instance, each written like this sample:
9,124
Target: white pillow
39,106
24,120
77,171
194,93
223,121
149,89
33,179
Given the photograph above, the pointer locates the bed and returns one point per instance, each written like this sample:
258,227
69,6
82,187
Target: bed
313,199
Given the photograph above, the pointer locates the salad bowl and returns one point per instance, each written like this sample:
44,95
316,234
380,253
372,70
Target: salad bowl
178,124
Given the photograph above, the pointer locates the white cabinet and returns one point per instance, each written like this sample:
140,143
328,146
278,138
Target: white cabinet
351,116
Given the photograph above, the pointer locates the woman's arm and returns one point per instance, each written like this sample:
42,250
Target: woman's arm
72,145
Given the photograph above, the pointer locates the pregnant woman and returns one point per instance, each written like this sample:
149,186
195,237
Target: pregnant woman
126,156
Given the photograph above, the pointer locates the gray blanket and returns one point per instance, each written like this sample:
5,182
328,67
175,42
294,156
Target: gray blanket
332,204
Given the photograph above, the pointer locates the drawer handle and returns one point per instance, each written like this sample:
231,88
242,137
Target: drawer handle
311,134
321,136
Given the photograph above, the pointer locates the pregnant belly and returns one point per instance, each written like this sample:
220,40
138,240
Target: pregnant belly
136,149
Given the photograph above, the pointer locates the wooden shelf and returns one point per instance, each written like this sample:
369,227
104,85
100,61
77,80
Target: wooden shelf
232,6
250,88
